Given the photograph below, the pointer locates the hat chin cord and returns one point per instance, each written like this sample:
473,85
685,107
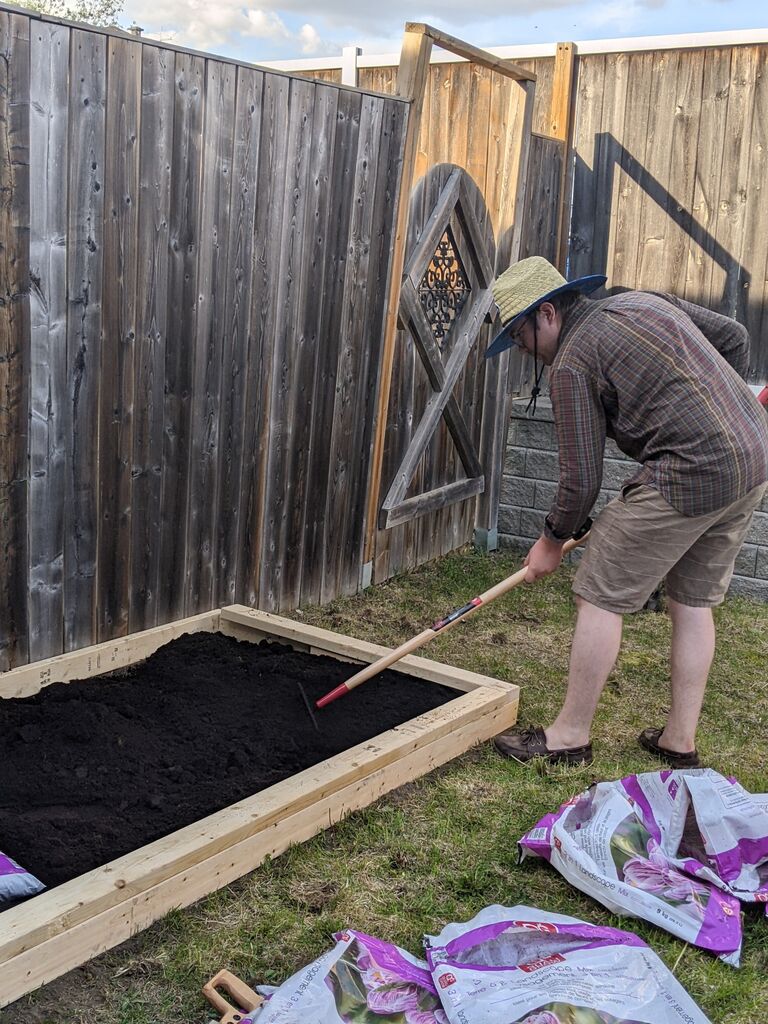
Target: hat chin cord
530,409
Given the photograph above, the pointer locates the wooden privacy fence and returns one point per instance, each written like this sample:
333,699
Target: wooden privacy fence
194,259
201,265
670,155
654,171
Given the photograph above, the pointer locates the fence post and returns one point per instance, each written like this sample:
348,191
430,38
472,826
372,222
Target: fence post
411,84
560,127
349,56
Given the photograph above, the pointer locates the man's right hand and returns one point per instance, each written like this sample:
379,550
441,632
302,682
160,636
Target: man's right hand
543,558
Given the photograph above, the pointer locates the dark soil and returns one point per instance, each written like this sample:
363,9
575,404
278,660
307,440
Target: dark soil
94,769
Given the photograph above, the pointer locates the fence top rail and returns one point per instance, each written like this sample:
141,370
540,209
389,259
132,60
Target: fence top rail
273,68
684,41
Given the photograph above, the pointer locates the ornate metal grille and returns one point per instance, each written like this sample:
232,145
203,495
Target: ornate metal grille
444,288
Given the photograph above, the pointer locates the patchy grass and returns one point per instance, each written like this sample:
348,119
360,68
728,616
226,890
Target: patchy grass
443,847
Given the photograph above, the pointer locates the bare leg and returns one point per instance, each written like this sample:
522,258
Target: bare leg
595,647
693,648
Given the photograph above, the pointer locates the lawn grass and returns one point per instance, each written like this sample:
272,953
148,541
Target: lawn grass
443,847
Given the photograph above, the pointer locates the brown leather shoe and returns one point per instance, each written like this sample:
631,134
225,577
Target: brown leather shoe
524,744
649,740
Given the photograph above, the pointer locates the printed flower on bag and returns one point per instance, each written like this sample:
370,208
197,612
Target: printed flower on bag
654,874
425,1017
394,998
542,1017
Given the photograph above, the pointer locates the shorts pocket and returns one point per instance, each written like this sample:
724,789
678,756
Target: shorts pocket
628,490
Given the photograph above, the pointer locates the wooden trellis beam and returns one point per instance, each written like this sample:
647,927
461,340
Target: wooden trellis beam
472,53
560,125
411,84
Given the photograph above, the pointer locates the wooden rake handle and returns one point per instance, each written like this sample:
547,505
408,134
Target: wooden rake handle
442,624
245,998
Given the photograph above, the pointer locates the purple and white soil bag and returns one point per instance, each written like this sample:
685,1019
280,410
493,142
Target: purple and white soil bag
360,979
518,965
16,883
680,849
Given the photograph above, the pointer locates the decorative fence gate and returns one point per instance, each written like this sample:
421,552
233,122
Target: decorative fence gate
433,467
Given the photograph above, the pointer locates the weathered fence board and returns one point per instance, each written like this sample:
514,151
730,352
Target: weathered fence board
116,394
212,276
188,376
237,338
49,92
267,227
291,360
184,239
15,353
87,112
152,330
328,288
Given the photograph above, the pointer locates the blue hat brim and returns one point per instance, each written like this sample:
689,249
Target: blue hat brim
585,285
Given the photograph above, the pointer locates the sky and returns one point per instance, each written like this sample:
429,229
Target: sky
287,29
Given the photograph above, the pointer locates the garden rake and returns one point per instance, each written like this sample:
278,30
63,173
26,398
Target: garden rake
442,624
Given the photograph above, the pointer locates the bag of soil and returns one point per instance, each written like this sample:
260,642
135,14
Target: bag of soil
16,883
525,966
362,979
680,849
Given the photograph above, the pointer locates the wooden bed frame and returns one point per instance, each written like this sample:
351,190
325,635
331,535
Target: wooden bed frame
62,929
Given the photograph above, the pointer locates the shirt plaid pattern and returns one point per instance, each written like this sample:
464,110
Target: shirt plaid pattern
662,377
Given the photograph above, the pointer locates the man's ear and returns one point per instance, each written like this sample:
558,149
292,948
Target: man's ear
548,311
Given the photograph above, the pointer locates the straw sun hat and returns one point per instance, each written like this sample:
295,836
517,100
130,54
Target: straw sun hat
523,287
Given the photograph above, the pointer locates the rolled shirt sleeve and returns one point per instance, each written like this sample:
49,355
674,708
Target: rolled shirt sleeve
581,432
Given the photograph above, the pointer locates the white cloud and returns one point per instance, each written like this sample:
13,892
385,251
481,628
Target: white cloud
213,27
266,25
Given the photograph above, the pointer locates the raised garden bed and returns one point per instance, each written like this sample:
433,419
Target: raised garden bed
65,926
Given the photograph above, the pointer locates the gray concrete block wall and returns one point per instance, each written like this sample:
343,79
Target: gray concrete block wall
530,479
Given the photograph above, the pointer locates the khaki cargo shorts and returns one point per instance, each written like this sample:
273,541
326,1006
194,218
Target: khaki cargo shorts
639,539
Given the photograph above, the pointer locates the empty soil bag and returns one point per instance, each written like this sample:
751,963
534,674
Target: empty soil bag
16,883
518,965
362,980
681,849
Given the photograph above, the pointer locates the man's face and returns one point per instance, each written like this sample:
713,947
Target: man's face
548,323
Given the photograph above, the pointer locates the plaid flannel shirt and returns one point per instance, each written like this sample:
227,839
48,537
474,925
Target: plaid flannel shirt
663,378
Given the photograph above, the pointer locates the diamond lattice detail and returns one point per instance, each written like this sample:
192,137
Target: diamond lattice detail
444,288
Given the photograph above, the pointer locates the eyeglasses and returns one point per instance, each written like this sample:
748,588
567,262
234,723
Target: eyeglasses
515,336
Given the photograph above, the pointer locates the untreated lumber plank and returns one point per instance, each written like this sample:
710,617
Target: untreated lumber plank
411,82
473,53
100,658
560,126
325,641
104,888
66,949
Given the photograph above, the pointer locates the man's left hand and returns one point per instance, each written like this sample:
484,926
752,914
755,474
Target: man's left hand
543,558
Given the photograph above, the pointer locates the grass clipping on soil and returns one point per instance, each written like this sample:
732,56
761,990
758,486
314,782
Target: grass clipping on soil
443,847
